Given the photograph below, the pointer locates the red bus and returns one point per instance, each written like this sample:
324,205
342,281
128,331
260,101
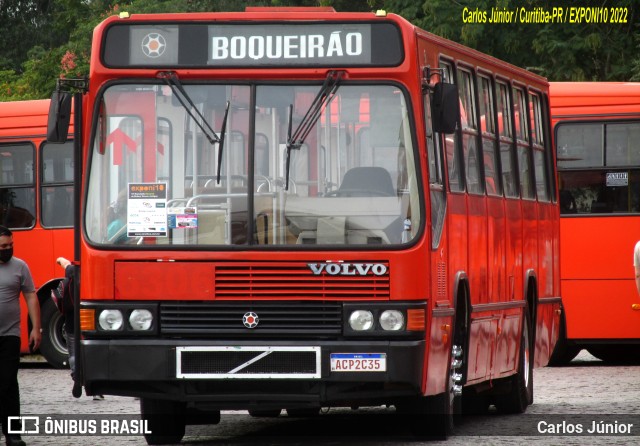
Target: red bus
300,208
35,203
597,126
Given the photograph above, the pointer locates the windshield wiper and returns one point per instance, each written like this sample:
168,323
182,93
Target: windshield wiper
221,140
323,98
171,79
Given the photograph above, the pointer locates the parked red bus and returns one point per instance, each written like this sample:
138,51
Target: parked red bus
35,203
299,208
597,127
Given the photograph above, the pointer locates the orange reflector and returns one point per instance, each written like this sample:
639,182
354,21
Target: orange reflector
416,320
87,319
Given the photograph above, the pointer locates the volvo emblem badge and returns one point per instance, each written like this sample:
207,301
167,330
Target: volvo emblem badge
250,320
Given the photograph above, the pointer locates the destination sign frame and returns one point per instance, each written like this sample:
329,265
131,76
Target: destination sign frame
252,45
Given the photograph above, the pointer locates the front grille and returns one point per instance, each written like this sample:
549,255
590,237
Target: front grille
248,362
301,318
295,280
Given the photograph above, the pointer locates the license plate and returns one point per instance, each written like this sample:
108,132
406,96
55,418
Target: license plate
358,362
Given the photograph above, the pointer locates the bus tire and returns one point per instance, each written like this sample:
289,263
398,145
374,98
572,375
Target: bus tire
54,342
426,417
433,417
474,403
165,420
520,394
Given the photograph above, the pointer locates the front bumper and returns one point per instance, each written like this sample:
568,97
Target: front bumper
149,369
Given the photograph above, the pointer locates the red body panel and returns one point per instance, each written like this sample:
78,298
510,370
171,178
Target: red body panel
21,123
598,288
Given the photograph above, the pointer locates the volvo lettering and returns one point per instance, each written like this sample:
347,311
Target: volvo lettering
348,269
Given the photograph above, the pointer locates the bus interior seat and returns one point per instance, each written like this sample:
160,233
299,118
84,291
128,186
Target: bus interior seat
16,217
599,207
377,180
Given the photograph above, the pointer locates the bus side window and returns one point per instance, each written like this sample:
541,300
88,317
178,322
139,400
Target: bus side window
522,140
505,131
451,142
56,193
539,155
434,161
592,170
17,194
488,130
469,130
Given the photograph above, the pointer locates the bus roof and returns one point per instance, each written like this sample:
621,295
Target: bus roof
581,100
22,119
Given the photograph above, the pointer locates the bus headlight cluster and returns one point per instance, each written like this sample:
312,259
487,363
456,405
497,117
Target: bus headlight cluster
361,320
388,320
140,320
110,320
392,320
114,320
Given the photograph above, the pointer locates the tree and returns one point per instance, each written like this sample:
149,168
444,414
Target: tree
559,51
47,39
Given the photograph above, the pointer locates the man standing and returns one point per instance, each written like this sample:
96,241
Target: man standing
15,277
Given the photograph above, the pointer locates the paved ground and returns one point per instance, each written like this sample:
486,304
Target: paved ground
584,392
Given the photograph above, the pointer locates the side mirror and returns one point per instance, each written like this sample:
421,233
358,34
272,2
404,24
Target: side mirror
445,107
59,117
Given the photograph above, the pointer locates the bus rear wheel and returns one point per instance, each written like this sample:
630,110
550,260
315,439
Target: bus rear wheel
165,420
54,343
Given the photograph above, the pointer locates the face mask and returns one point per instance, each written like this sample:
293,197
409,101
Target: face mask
6,254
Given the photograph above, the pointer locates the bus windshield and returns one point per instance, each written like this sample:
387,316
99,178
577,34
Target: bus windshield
153,172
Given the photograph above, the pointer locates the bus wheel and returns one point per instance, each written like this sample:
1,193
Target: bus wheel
432,417
474,403
165,420
54,343
426,416
521,391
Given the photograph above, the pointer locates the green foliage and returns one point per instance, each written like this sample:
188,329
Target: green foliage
559,51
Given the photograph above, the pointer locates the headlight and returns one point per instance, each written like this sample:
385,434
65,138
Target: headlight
140,319
392,320
361,320
110,320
